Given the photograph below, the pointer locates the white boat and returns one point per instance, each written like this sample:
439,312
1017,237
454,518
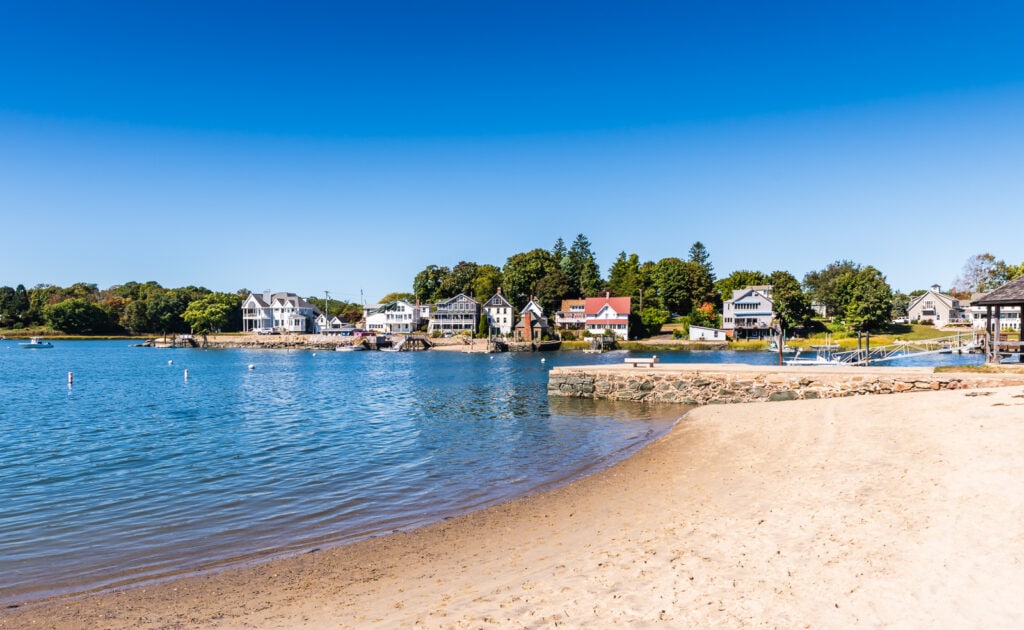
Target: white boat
786,348
823,356
355,348
36,342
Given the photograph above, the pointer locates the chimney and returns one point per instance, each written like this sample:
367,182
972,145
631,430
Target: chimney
527,327
499,290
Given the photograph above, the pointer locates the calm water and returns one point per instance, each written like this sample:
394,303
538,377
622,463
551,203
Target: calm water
136,473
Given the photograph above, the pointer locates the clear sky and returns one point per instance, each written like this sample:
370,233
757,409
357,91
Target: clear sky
346,146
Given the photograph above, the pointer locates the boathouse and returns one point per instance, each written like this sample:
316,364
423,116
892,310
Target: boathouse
1009,295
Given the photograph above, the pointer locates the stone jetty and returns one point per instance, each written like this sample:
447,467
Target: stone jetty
708,384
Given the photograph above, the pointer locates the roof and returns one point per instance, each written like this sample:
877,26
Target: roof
1010,294
761,292
533,307
497,300
619,304
942,297
462,297
284,297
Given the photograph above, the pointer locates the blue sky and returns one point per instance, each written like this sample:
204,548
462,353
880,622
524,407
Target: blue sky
342,147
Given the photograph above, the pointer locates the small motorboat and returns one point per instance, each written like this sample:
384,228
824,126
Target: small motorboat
353,348
36,342
773,346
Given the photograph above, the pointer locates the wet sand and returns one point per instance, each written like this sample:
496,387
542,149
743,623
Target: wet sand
872,511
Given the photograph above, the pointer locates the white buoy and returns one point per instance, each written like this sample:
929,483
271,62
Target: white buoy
71,378
314,354
186,374
543,360
169,362
252,367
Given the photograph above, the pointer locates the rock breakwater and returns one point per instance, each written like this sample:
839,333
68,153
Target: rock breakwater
725,384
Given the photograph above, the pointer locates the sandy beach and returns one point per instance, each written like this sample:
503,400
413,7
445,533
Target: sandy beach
871,511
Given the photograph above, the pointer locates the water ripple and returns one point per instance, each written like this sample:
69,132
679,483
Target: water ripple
136,472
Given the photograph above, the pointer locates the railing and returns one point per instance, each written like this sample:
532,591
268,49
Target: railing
896,350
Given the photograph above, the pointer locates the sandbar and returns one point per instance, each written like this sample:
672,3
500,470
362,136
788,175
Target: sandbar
900,510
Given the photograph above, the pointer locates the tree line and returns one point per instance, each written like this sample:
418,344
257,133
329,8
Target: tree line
132,308
855,294
672,287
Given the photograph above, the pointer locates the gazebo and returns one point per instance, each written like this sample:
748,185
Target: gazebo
1010,294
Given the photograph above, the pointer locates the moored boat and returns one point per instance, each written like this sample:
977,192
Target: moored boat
36,342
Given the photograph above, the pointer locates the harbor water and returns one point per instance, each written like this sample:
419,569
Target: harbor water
156,462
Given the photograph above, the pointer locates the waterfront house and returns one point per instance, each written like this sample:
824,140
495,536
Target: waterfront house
532,325
703,333
329,325
280,312
748,313
394,317
500,314
455,315
1009,315
607,313
572,315
936,307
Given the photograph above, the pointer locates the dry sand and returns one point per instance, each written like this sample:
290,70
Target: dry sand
902,511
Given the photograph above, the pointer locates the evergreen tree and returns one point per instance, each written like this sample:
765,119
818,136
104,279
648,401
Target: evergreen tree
702,257
559,251
582,268
624,276
483,326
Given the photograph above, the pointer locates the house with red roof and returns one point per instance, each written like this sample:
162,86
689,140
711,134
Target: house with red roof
608,313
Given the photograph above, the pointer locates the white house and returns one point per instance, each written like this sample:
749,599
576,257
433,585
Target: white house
1009,316
329,325
703,333
607,313
394,317
282,312
500,314
936,307
457,314
748,314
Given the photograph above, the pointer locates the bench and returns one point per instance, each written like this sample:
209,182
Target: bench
642,361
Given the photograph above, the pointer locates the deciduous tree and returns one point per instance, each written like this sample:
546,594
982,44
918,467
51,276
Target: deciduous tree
77,316
522,272
824,286
792,306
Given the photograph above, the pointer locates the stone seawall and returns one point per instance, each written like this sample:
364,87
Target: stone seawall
692,384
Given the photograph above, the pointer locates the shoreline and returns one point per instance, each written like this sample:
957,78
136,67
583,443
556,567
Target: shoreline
858,511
